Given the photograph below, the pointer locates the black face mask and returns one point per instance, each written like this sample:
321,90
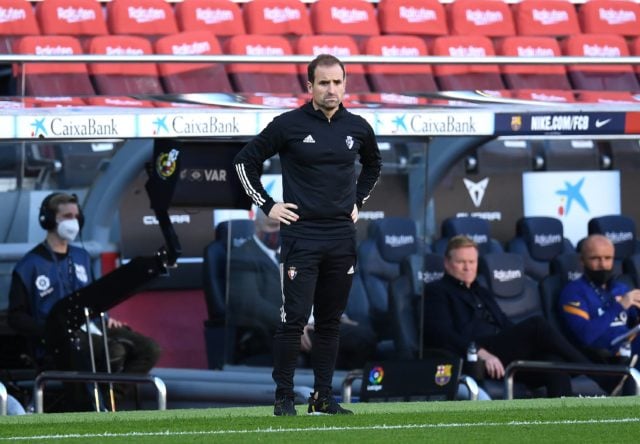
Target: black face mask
271,240
599,277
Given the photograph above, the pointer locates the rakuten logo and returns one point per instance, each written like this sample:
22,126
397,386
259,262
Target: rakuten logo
76,15
530,51
549,17
213,16
260,50
483,18
545,240
600,51
338,51
417,15
281,15
119,50
12,15
53,50
506,275
145,15
620,236
398,240
616,17
400,51
467,51
194,48
344,15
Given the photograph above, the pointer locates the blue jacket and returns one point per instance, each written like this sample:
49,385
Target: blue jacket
40,279
592,315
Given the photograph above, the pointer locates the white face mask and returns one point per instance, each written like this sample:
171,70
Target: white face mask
68,229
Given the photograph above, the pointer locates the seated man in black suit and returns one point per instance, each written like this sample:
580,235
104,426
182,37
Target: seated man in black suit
458,311
255,301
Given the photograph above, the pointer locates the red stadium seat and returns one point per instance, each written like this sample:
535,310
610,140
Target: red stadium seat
276,100
277,17
79,18
399,79
18,19
532,76
398,100
124,79
416,17
542,95
126,102
148,18
466,77
223,18
344,17
620,17
339,46
480,17
52,79
182,78
634,46
262,77
607,97
553,18
600,77
54,102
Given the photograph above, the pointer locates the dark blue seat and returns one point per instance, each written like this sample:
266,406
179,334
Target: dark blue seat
229,234
473,227
538,240
621,230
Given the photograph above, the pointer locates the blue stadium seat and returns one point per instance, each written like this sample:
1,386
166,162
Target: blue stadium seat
472,227
621,230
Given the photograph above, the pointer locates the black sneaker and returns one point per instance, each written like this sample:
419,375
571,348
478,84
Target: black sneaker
325,405
284,407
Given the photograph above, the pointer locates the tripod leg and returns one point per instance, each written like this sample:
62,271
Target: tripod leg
96,394
107,358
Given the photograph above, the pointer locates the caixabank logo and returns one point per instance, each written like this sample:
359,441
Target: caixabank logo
75,127
195,124
560,123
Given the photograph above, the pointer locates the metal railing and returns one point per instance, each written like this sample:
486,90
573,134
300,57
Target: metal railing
567,367
118,378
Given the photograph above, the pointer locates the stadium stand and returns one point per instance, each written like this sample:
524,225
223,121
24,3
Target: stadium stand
480,17
619,17
19,20
545,95
546,18
82,19
539,240
399,79
277,17
223,18
123,79
338,45
192,77
473,227
262,77
599,77
607,97
148,18
466,77
532,76
52,79
422,18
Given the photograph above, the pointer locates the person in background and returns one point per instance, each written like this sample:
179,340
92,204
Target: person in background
49,272
459,311
318,145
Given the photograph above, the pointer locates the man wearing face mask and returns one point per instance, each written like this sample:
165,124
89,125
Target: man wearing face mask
596,308
255,299
49,272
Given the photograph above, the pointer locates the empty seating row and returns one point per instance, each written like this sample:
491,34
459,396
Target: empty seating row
143,78
351,17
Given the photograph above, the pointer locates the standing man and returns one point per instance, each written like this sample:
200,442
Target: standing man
318,145
459,311
54,269
596,308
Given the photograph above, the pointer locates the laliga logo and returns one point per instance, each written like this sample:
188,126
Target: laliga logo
166,164
376,375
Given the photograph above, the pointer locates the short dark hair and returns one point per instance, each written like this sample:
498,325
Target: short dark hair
459,241
323,60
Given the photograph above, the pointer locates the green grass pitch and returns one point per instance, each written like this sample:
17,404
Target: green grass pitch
579,420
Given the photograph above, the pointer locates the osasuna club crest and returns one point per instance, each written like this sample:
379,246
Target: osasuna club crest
349,141
292,273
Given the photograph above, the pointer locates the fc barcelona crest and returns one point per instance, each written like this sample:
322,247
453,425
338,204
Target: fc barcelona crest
349,142
292,273
516,123
443,374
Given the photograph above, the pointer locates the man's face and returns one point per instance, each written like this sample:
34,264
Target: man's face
67,211
598,255
462,264
328,87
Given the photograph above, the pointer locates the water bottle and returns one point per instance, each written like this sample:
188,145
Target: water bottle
472,353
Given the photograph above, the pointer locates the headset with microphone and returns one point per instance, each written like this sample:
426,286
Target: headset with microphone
47,216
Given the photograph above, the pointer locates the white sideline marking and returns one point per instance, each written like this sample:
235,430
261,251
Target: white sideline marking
321,429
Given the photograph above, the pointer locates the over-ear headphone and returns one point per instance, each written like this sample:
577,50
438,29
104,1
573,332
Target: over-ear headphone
47,216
